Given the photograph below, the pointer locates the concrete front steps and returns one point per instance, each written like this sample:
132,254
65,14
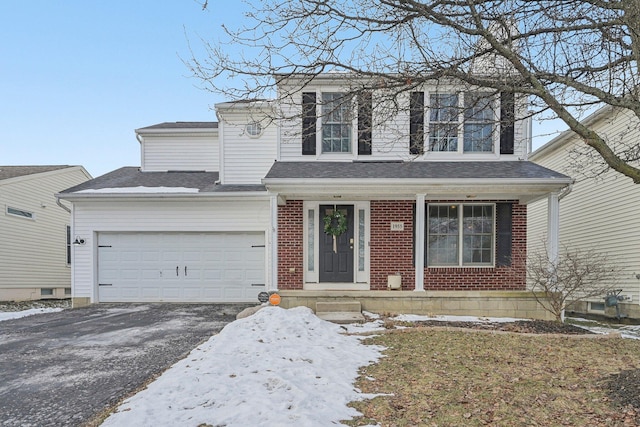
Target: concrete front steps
340,312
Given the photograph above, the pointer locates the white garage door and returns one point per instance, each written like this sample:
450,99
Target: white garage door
180,267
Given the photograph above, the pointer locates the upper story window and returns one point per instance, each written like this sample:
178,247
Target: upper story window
336,123
478,123
329,126
443,122
464,122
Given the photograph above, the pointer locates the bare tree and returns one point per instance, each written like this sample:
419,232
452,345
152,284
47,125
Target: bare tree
575,275
566,56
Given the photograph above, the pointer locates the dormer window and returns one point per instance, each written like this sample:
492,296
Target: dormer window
336,123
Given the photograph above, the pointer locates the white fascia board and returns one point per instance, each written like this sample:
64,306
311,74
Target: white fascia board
521,189
177,131
402,183
244,105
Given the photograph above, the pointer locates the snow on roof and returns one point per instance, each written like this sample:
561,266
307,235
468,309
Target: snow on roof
140,189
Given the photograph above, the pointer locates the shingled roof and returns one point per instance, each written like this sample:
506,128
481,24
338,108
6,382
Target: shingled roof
411,170
7,172
132,178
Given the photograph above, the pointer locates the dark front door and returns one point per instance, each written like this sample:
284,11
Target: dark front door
336,258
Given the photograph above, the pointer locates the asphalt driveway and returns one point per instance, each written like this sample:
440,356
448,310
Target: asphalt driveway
64,368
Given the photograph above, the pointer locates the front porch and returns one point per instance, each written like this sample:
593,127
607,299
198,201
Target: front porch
514,304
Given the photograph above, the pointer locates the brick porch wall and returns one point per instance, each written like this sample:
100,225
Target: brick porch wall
290,245
392,252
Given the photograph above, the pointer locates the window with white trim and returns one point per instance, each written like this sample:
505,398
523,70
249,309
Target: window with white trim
443,122
460,234
336,123
463,122
19,212
478,123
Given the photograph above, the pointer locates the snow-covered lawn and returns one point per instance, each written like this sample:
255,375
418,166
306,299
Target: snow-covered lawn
275,368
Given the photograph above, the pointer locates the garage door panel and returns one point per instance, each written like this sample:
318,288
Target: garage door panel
220,267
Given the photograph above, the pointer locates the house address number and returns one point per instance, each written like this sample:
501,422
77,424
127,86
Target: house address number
397,226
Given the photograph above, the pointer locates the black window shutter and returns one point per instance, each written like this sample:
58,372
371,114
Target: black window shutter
416,123
507,118
309,123
503,234
365,122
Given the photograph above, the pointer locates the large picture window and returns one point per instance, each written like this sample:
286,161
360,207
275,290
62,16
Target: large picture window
460,234
336,123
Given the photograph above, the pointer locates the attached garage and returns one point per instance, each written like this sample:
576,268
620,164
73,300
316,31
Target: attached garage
181,267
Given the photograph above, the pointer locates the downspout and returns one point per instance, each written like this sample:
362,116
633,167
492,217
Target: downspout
61,205
141,141
565,191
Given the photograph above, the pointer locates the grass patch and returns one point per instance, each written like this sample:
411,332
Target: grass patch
458,378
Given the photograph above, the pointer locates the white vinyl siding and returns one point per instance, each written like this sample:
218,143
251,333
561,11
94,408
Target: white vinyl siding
180,152
91,218
246,158
390,134
32,251
599,213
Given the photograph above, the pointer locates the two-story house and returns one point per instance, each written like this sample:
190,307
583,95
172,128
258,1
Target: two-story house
323,196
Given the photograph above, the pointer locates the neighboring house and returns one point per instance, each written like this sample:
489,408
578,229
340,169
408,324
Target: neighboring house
35,236
602,210
431,202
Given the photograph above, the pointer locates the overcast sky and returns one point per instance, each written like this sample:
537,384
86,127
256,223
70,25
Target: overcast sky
78,77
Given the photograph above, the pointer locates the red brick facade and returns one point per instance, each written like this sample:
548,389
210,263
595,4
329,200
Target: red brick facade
391,252
290,245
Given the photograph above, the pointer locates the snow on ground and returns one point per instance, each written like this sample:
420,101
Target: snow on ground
7,315
275,368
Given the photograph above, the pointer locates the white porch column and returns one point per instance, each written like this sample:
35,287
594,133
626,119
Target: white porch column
419,242
553,227
272,285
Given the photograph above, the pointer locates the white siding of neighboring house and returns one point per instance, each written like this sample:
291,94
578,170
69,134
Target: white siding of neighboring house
600,213
245,159
91,217
33,252
180,151
390,136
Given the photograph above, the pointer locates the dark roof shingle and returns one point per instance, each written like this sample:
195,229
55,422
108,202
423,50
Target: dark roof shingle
7,172
132,177
411,170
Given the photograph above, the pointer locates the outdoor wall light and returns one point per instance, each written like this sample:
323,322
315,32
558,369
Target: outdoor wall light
79,241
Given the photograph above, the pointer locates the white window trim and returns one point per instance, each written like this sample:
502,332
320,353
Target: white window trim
461,237
455,155
360,277
32,217
253,123
350,155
